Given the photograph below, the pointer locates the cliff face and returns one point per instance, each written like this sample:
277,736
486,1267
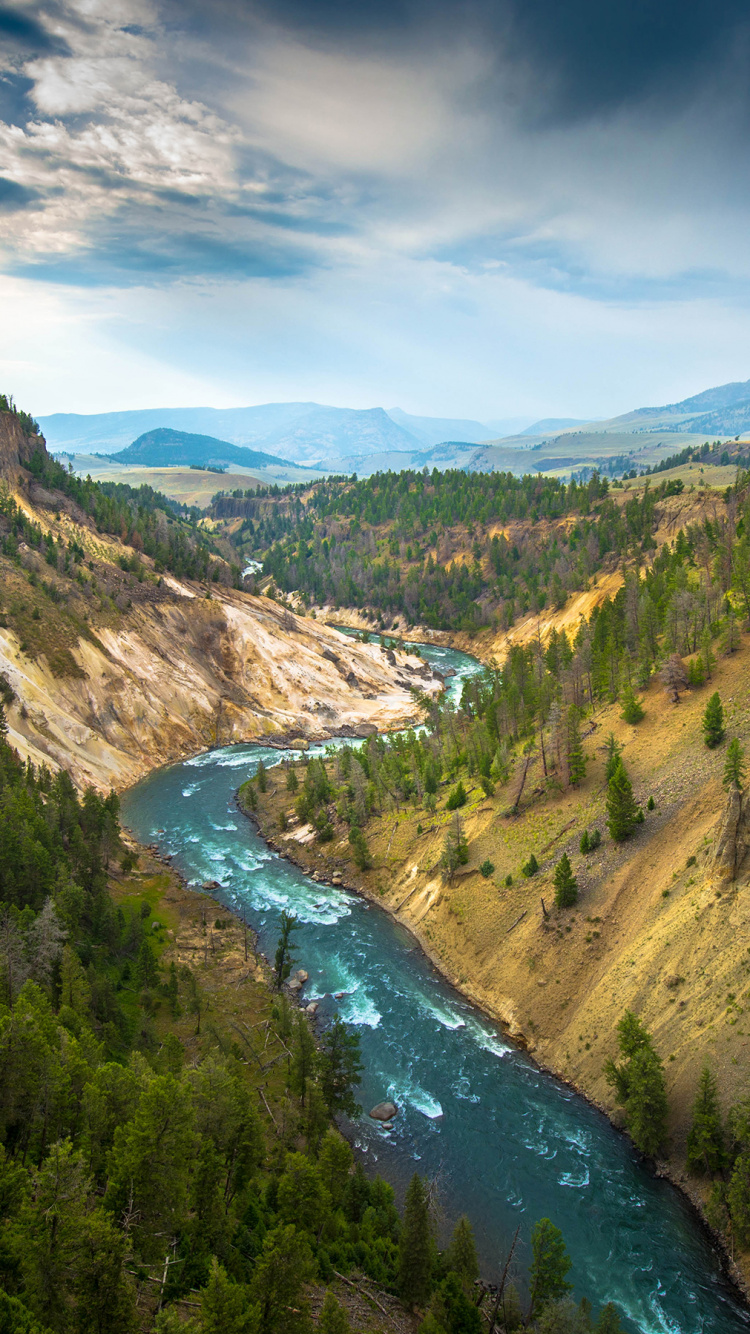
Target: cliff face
16,448
733,838
187,674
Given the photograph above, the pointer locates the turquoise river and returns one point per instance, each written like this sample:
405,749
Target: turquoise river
507,1142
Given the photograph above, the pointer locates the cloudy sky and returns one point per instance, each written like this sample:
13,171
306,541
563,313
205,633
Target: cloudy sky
487,209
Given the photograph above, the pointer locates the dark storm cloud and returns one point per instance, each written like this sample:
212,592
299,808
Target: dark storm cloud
574,57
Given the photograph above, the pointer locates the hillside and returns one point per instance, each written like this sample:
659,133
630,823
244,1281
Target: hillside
164,447
116,660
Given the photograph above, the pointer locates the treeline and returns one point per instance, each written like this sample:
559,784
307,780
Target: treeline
142,518
416,545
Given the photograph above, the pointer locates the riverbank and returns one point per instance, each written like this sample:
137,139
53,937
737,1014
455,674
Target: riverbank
452,925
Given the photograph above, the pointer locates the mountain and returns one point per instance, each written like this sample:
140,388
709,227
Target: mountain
302,432
162,447
435,430
723,410
548,424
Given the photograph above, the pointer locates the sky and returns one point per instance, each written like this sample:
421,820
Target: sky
485,209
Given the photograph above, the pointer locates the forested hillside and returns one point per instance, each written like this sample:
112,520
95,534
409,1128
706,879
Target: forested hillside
454,551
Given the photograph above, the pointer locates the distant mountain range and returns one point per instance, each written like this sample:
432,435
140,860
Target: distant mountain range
363,440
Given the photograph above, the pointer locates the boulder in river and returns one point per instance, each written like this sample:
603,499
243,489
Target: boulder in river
312,1008
294,984
384,1111
302,975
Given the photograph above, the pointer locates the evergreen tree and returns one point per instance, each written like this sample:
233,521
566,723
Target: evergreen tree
415,1250
584,843
304,1058
530,867
462,1253
713,722
609,1320
566,885
613,751
281,1271
451,1310
632,709
284,960
261,777
734,767
225,1308
340,1069
638,1082
292,782
622,812
549,1267
705,1141
576,760
333,1317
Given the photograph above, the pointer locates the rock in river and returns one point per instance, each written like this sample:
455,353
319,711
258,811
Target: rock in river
384,1111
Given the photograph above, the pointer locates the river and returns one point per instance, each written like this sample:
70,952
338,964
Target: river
507,1142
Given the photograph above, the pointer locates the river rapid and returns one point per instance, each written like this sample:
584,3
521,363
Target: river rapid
507,1143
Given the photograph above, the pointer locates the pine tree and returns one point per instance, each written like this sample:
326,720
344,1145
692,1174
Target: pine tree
261,776
609,1321
576,759
283,960
415,1251
584,844
614,751
340,1069
566,885
333,1317
705,1142
638,1082
224,1305
713,722
550,1264
292,781
462,1253
734,768
530,867
632,709
622,812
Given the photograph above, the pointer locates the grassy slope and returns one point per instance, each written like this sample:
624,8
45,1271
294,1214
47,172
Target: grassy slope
650,932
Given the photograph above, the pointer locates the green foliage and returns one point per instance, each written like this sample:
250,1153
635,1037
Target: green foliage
261,777
487,868
456,797
416,1247
292,782
576,760
550,1265
225,1308
650,804
530,867
632,709
461,1256
451,1310
340,1069
333,1317
622,811
455,849
638,1082
566,885
734,767
284,959
713,722
706,1149
362,857
609,1320
613,750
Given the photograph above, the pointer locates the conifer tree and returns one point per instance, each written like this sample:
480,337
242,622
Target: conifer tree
639,1084
283,960
609,1321
261,777
415,1251
462,1253
713,722
705,1142
224,1305
614,751
549,1267
566,885
734,768
584,845
333,1317
632,709
576,759
622,812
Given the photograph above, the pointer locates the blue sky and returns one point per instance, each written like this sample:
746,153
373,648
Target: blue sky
484,209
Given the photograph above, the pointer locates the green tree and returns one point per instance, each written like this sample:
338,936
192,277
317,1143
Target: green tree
282,1269
713,722
622,811
455,849
576,760
566,885
362,857
284,959
333,1317
304,1058
302,1198
416,1247
564,1317
549,1266
706,1150
609,1320
530,867
261,777
292,782
632,709
456,797
613,751
462,1253
734,767
340,1069
639,1086
451,1310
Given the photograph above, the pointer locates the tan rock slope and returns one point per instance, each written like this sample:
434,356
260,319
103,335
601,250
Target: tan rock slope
142,671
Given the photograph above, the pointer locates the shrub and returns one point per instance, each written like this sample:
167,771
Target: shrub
456,798
530,867
487,868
